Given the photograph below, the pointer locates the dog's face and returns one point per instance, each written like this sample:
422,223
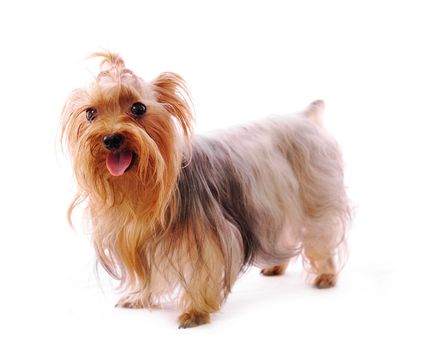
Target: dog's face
123,132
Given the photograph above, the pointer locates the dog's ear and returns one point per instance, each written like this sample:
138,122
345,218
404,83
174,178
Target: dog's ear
70,130
172,93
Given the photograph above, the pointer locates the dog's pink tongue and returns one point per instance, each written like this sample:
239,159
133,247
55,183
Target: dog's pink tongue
118,162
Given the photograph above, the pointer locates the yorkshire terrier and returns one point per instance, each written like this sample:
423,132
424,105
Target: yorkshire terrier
181,216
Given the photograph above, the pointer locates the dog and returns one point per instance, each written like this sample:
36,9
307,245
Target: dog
179,217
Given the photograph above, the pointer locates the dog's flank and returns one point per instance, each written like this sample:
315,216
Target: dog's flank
247,178
180,216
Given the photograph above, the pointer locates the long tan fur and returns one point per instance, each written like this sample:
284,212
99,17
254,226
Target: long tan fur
190,213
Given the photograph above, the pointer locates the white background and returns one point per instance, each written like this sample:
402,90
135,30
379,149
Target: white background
371,61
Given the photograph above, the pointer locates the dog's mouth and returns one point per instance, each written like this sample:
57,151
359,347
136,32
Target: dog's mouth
119,162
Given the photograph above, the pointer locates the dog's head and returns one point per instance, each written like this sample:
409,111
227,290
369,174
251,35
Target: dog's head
124,135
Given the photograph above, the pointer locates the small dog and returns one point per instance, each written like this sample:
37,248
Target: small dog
180,216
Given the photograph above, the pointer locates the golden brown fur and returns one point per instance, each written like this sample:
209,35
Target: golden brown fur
185,215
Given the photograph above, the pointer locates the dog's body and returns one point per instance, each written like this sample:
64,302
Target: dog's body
182,216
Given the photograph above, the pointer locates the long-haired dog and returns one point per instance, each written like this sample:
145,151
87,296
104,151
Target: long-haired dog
182,216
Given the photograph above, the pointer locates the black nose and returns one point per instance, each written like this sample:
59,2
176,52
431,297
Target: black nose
113,142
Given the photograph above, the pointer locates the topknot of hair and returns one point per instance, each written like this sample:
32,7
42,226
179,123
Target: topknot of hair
112,67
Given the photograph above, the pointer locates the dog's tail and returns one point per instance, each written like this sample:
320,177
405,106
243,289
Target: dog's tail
314,112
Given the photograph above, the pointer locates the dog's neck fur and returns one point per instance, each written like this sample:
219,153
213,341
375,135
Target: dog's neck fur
138,211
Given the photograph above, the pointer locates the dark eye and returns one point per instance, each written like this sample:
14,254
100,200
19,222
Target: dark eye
90,114
138,109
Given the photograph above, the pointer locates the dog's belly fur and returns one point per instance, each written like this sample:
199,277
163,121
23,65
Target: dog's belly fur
249,177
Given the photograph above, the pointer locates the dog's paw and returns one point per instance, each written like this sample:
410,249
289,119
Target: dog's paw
193,319
325,280
276,270
129,303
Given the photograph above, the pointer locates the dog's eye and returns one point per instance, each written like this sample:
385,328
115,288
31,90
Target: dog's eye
138,109
90,114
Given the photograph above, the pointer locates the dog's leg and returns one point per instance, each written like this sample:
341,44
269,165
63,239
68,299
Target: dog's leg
323,239
324,249
203,294
198,303
323,267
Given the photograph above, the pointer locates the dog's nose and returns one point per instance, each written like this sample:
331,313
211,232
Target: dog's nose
113,142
